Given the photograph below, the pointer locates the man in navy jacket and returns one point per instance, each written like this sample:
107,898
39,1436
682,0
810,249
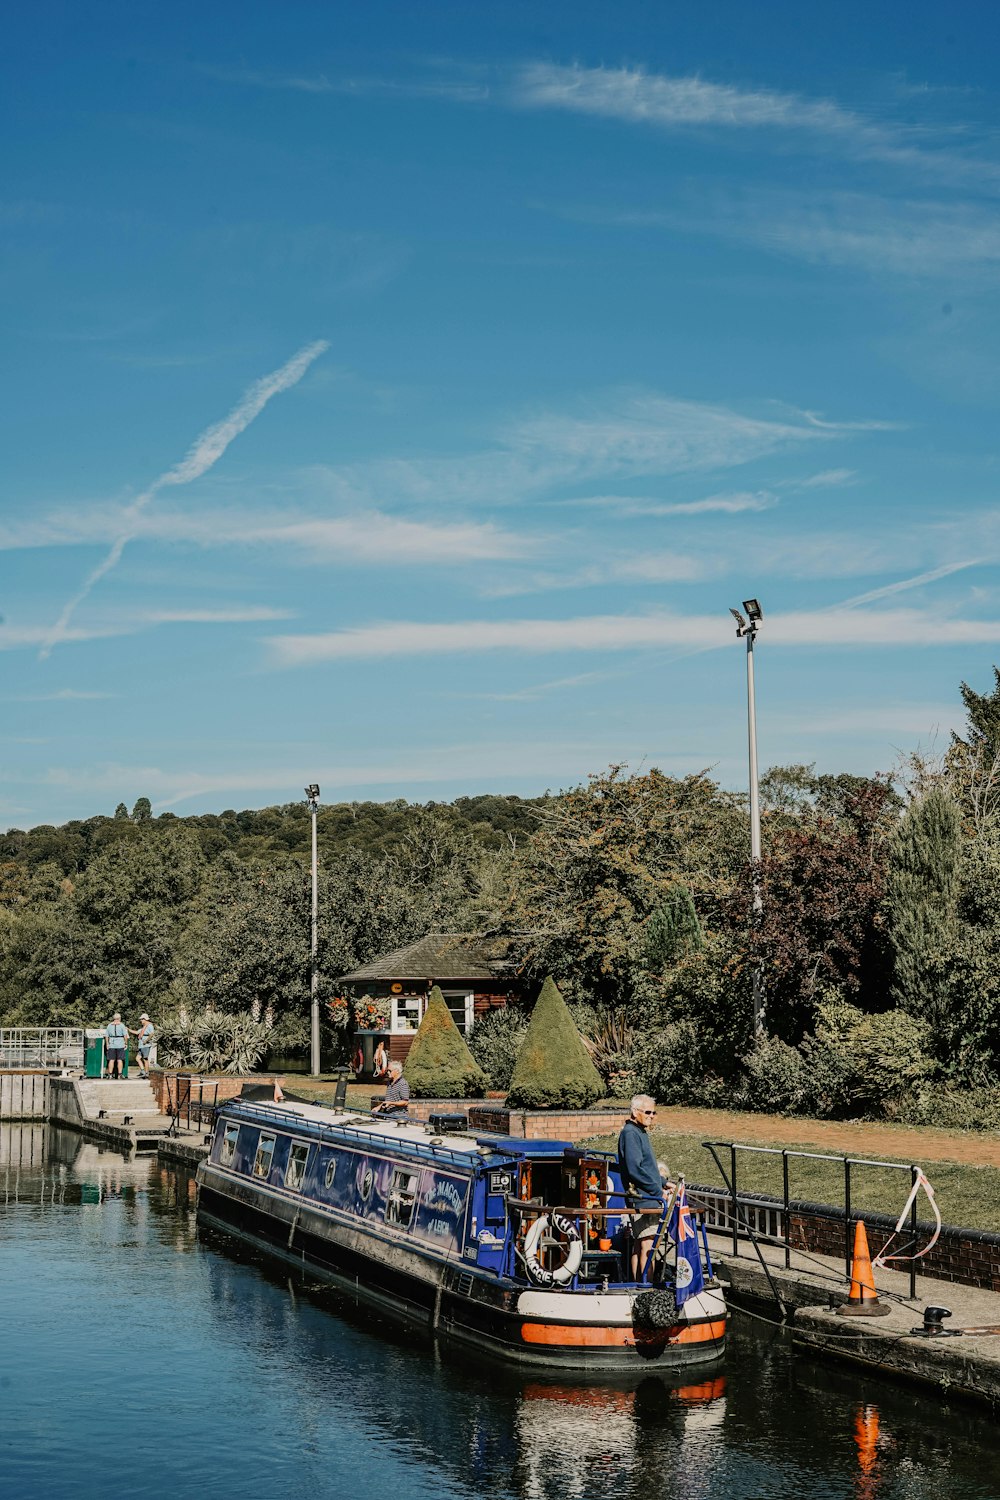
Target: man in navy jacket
641,1179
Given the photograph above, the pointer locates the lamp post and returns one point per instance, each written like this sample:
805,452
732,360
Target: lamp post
746,628
312,797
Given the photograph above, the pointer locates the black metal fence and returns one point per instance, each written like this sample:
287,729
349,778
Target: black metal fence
755,1216
191,1101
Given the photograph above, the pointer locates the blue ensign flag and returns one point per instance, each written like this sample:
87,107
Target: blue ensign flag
690,1276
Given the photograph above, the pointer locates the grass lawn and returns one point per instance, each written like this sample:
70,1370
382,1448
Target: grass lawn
966,1195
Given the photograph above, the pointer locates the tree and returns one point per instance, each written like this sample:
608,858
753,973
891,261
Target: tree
606,857
439,1065
553,1068
968,982
982,733
821,925
973,762
922,893
673,931
142,812
121,813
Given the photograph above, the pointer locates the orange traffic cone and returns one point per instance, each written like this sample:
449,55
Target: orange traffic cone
278,1095
863,1299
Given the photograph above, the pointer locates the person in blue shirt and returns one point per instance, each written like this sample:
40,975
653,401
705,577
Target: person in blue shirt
642,1179
117,1034
146,1035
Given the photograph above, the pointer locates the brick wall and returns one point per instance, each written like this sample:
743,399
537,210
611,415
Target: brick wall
547,1124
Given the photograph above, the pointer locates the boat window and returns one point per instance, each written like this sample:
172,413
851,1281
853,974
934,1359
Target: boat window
228,1152
296,1169
262,1161
331,1171
402,1196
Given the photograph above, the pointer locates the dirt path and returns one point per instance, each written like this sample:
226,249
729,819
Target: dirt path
900,1142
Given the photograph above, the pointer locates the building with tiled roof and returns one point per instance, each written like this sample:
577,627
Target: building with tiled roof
468,969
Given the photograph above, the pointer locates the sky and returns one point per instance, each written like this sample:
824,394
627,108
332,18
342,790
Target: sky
399,397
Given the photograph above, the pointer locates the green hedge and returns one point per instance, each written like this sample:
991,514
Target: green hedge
439,1064
553,1068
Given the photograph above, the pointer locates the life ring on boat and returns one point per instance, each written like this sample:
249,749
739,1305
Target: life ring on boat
532,1243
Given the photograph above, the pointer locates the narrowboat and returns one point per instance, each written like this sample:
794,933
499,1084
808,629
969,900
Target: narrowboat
520,1248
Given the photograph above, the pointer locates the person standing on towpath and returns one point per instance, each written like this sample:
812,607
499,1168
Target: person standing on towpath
146,1035
117,1035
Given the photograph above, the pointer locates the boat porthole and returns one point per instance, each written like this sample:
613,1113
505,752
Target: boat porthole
331,1172
367,1183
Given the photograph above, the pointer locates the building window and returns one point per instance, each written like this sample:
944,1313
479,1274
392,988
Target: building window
461,1003
262,1161
296,1170
402,1196
228,1153
407,1011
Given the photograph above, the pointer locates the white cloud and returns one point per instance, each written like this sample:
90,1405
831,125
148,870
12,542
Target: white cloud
631,505
458,87
555,763
200,457
131,622
646,567
883,719
829,628
827,479
692,103
901,585
65,695
367,536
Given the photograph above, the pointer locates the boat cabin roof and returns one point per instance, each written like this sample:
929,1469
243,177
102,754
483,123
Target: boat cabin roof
410,1135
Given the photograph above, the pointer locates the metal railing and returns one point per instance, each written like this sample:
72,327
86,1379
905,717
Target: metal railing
191,1101
41,1046
763,1219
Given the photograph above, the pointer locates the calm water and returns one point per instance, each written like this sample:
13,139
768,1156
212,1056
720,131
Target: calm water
137,1358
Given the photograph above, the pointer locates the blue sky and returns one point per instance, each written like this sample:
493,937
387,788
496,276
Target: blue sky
399,396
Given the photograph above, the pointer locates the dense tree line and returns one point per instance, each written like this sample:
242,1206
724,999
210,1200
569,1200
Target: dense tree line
878,937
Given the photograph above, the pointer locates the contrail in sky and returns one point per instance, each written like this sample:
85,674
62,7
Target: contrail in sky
203,453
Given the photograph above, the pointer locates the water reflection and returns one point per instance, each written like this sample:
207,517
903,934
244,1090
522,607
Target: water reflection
270,1386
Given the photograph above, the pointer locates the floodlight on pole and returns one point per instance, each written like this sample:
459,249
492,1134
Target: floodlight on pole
747,628
312,797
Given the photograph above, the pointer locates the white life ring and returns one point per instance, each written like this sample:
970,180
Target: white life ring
574,1251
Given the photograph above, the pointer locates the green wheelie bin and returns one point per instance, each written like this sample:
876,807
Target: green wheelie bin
93,1054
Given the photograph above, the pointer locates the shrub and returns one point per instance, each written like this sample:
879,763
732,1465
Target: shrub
553,1070
215,1042
863,1064
439,1064
774,1079
614,1046
496,1041
951,1109
673,1068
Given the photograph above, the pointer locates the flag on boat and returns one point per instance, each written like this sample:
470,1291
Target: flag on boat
690,1276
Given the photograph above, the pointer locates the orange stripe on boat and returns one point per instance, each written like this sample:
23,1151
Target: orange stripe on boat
577,1336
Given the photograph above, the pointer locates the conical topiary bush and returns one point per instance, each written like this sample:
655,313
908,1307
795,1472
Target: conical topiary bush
553,1069
439,1065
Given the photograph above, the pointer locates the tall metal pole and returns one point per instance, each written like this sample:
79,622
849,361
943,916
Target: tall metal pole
748,628
312,793
758,900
